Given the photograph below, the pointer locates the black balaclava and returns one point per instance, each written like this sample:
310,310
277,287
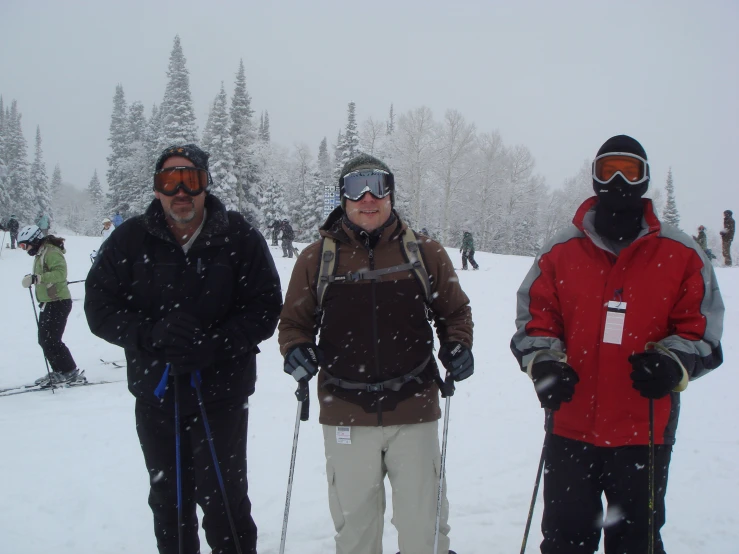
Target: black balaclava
619,211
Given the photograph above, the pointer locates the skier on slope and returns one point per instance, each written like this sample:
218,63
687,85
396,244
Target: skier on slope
468,250
383,419
190,286
617,312
50,277
727,236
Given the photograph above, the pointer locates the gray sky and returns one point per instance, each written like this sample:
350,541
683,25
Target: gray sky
558,77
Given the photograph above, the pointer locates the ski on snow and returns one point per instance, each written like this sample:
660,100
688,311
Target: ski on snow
37,388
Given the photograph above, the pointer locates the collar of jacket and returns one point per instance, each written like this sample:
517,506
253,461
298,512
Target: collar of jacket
216,223
584,220
343,231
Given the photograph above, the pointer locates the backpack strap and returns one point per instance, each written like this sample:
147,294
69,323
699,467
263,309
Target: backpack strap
326,269
412,252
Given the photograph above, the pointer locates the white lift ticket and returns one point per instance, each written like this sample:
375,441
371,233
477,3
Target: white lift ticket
615,317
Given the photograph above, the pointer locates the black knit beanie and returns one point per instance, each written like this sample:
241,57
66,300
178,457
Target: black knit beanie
365,161
192,152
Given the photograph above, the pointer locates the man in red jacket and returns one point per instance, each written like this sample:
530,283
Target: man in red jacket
618,310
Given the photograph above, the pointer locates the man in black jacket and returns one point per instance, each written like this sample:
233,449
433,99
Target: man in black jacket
192,288
13,226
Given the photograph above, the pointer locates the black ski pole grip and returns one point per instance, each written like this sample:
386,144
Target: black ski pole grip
303,396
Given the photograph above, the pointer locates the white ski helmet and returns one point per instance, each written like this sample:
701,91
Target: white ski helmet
106,220
30,234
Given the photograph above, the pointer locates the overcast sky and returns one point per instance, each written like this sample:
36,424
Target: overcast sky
558,77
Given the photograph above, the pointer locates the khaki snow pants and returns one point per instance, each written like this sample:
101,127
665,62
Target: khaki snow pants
410,456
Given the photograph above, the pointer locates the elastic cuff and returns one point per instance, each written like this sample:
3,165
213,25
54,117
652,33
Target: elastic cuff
542,356
683,384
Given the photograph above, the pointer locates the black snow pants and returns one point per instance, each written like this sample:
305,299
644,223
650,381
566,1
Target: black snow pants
287,248
577,474
51,324
228,425
469,255
274,237
726,251
13,239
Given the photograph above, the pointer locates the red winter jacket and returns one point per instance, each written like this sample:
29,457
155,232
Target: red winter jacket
671,297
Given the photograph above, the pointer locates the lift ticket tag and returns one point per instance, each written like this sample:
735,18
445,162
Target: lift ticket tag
615,317
343,435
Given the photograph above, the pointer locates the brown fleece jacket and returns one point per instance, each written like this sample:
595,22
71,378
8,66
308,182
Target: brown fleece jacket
372,331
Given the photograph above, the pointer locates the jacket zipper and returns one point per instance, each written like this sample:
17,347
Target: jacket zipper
374,328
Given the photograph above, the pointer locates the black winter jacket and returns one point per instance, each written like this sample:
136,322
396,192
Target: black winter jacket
227,279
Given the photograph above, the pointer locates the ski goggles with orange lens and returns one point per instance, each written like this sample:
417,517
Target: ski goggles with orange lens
634,169
191,180
375,181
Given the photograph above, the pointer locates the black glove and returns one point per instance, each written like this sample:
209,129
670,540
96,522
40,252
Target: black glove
554,383
176,329
302,361
457,360
197,357
655,374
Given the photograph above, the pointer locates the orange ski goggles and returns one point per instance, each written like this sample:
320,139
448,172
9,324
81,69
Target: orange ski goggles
190,179
634,169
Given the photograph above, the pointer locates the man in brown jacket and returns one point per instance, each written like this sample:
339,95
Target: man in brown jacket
378,381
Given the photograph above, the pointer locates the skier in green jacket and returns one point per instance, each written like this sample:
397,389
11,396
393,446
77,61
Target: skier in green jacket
468,251
50,277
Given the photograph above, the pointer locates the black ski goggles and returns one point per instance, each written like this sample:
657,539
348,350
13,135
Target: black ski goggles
375,181
191,180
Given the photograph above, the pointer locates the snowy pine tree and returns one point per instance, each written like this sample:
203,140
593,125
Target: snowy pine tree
137,166
264,134
56,181
391,122
40,180
222,166
244,138
23,202
97,204
670,214
176,111
118,139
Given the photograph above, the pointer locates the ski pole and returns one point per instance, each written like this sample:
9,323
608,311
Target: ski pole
178,462
303,396
73,282
38,327
650,548
547,431
196,383
447,392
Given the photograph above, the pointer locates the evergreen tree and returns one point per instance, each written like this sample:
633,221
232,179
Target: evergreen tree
326,182
221,162
670,214
244,137
391,121
23,201
97,204
176,111
56,181
264,128
351,135
118,139
207,139
137,194
39,179
2,130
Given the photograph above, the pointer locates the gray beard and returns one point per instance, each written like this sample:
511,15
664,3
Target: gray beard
182,220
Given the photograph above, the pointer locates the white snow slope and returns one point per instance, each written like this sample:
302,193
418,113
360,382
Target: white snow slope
73,481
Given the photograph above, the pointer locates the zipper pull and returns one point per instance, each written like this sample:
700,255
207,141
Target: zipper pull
200,266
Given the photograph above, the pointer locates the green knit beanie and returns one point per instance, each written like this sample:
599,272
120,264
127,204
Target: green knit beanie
365,161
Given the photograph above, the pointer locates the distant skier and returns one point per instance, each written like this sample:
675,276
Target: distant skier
50,277
276,227
288,235
703,242
12,226
727,236
117,219
44,223
108,228
468,251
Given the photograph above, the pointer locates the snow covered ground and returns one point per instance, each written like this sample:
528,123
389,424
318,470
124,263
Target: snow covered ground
72,476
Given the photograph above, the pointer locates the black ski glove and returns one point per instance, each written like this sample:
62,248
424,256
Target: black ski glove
302,361
457,360
554,383
176,329
655,374
192,347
